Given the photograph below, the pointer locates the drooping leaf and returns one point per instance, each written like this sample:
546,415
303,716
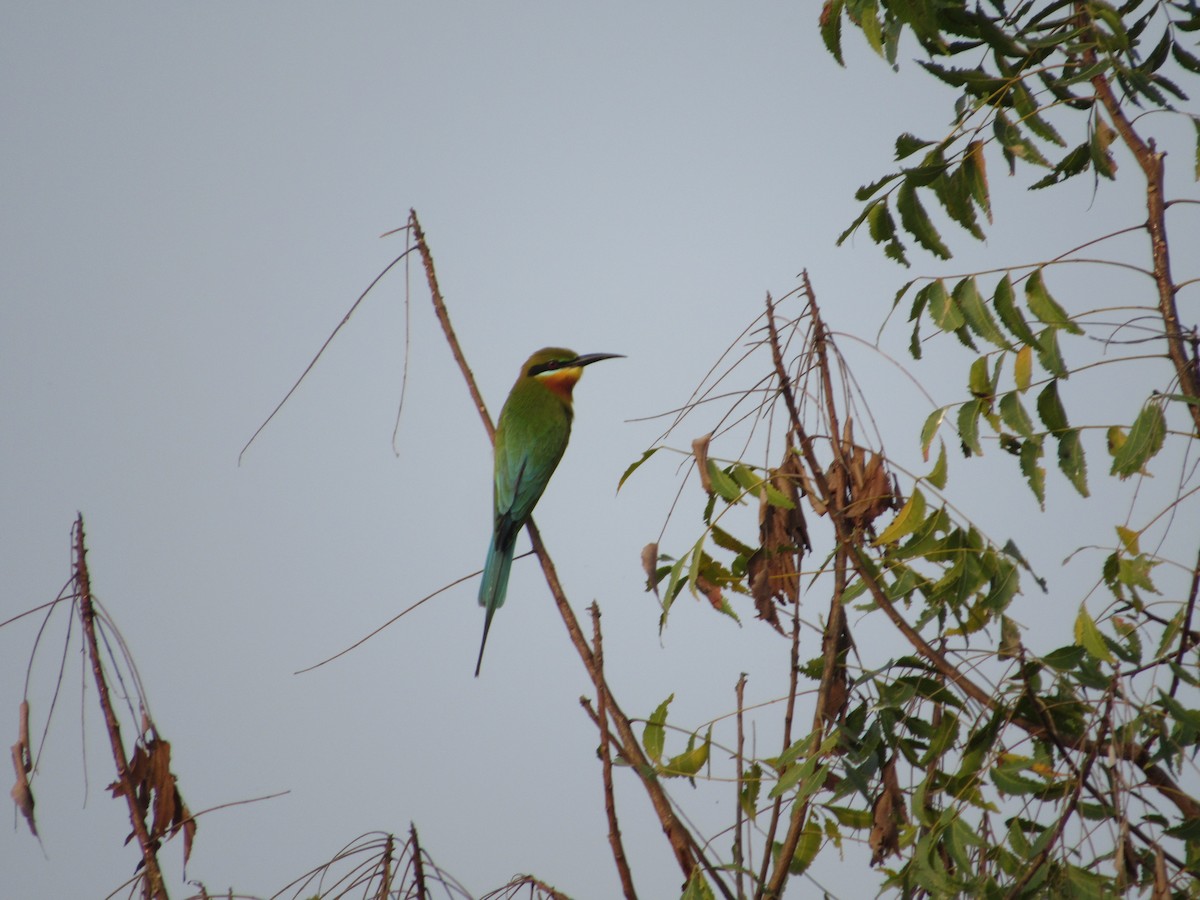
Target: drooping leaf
1050,408
916,221
932,423
1102,137
1042,305
979,379
1012,411
975,174
1035,474
1023,368
942,307
655,733
1006,307
1071,459
831,29
937,476
968,427
1048,353
979,320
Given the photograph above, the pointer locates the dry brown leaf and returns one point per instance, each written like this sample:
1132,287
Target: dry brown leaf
838,694
700,449
1162,885
888,814
711,591
162,783
22,761
650,566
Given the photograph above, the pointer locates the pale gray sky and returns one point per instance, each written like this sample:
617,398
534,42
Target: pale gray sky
191,199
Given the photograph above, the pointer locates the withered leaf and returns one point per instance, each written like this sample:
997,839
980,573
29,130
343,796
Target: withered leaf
22,761
888,814
1162,885
650,566
711,591
700,449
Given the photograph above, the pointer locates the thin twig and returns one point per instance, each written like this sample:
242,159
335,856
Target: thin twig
610,806
328,341
738,851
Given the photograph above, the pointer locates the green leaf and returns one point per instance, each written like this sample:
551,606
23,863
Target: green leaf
968,426
831,29
851,818
1023,368
979,380
916,221
697,887
1030,455
1185,59
1071,164
1013,413
691,760
723,484
974,170
751,783
932,423
979,320
942,308
1006,307
1048,353
1102,137
908,520
1071,459
1050,408
1145,439
807,848
937,476
1064,659
655,734
1129,540
636,465
907,144
1042,305
1088,636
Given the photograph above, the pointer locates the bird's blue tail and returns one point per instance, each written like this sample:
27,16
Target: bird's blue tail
495,584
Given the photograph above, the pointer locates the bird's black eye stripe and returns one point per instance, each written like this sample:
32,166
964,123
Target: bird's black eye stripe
549,366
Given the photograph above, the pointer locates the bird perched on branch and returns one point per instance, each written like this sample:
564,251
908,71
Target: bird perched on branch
531,436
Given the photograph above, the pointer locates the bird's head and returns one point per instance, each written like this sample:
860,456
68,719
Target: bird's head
559,369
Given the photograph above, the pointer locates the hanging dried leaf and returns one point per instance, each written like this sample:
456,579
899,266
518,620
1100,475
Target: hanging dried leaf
700,449
837,694
22,761
888,814
650,566
869,489
1162,885
774,569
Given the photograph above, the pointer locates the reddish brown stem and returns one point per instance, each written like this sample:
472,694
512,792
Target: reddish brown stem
152,879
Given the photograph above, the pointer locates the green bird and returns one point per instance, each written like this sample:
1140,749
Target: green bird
530,439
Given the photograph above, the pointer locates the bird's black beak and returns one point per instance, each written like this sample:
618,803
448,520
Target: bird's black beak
588,358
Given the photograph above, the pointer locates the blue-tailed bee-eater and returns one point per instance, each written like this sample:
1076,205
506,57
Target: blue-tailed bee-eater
530,439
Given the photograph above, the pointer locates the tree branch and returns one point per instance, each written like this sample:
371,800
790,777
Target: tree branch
152,879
